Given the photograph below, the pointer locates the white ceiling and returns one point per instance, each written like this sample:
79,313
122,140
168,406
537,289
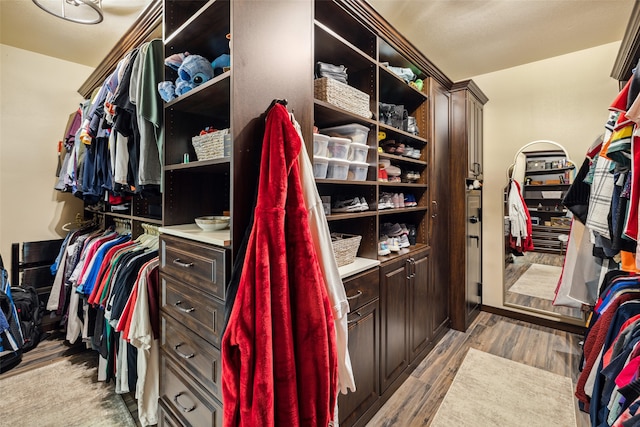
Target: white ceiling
464,38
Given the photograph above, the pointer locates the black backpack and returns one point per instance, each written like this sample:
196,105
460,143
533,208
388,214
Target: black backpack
30,314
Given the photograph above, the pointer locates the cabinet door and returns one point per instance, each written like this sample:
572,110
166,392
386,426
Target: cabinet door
421,307
472,148
364,343
393,325
438,299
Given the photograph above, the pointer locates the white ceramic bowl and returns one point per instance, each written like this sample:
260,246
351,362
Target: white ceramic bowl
211,223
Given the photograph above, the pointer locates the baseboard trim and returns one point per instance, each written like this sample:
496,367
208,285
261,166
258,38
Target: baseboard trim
562,326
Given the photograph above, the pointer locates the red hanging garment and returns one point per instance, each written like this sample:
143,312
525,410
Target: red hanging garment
279,351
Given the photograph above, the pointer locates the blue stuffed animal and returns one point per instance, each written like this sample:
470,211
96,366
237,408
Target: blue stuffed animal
193,70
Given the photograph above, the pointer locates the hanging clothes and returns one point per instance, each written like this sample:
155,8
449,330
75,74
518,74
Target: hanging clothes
520,220
279,350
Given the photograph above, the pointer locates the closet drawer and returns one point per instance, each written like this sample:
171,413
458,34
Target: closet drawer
203,266
196,310
185,398
193,354
362,288
165,417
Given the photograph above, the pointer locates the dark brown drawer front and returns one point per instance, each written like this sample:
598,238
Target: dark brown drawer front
193,308
199,265
185,398
193,353
165,417
362,288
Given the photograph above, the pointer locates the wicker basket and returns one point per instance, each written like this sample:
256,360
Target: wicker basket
342,95
345,247
210,145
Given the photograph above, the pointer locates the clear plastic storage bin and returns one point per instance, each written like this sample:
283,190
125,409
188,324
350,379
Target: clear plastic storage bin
338,148
320,144
358,152
320,165
354,131
338,169
358,171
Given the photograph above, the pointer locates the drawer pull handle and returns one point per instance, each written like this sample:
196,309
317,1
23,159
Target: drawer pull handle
181,354
177,261
356,295
185,310
184,408
355,320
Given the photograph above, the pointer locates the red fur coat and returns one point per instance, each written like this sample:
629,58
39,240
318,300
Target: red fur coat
279,361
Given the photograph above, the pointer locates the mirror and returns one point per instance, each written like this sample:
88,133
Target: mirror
539,178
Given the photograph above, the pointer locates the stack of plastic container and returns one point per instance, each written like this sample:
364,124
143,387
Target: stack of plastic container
340,153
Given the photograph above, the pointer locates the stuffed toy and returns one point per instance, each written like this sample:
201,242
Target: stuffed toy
220,62
193,70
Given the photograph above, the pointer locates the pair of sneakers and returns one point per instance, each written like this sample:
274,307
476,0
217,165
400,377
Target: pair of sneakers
356,204
387,244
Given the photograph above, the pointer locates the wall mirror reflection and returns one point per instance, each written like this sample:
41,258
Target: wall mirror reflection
538,180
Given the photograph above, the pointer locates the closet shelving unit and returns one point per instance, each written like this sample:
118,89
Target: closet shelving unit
398,311
544,200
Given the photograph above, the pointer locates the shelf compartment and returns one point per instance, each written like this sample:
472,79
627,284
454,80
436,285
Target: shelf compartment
402,136
394,90
354,215
207,99
402,159
189,37
402,210
327,115
337,20
330,45
387,53
178,12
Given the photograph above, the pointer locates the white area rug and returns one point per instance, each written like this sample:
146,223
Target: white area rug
538,281
492,391
61,394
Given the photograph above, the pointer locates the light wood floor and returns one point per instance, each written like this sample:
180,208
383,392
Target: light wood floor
417,400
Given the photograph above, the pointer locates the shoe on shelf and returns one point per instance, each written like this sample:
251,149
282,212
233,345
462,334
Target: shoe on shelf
408,151
410,201
404,228
364,205
395,201
385,201
382,175
393,170
391,230
394,244
404,241
412,234
347,205
401,200
383,248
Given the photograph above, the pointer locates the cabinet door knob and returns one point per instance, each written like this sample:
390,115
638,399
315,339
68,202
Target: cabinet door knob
357,294
181,354
355,320
183,408
185,310
177,261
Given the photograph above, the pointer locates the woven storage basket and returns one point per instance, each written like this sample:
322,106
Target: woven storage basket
210,145
345,247
342,95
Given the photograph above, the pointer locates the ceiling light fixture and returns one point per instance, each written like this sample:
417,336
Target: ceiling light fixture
79,11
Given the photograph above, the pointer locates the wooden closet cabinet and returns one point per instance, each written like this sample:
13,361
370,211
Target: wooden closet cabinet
364,347
465,248
407,317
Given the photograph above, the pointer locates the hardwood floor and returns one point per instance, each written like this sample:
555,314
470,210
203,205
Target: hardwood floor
418,399
514,270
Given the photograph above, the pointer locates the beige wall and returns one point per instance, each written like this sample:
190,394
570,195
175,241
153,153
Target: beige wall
37,94
563,99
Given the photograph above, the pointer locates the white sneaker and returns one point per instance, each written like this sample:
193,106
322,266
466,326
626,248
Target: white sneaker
348,205
394,244
404,241
364,206
383,249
